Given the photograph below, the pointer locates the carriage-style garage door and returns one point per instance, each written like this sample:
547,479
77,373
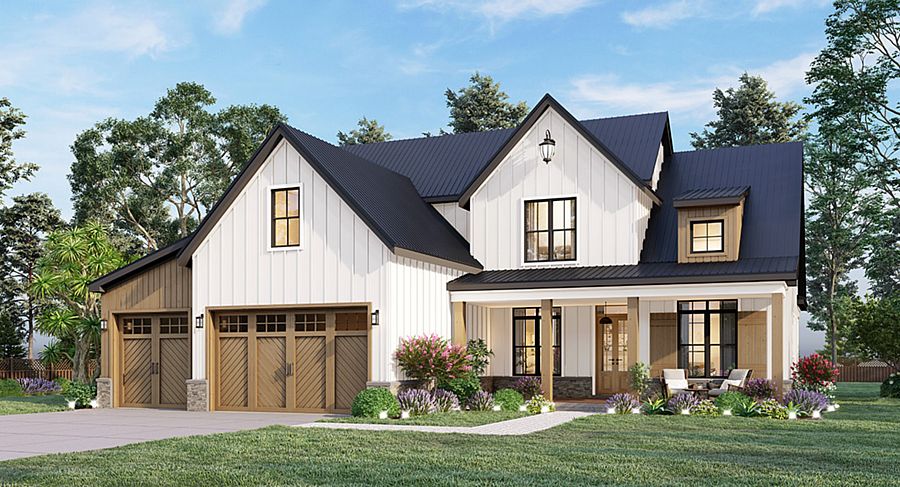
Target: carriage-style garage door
290,360
156,360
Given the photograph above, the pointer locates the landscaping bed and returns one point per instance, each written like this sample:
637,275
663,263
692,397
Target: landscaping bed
19,396
451,418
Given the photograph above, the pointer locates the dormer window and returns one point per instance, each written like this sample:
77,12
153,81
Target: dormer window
285,217
707,236
550,230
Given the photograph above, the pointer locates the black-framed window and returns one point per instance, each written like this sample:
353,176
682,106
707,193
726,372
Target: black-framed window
550,230
286,217
707,337
527,341
707,236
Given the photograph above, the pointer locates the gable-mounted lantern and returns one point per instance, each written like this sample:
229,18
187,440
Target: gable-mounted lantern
548,147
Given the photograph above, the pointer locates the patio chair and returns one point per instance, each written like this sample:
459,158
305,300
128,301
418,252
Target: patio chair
675,381
735,380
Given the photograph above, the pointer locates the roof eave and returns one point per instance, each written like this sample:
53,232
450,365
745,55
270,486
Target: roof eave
460,285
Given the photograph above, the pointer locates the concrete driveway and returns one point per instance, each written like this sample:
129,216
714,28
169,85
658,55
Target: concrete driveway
25,435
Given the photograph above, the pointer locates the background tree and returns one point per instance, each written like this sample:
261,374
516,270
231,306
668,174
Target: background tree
876,328
155,177
369,132
10,338
750,115
483,106
72,259
853,96
11,121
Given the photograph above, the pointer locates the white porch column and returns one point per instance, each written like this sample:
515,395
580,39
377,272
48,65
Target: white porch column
634,342
644,331
547,348
777,344
458,327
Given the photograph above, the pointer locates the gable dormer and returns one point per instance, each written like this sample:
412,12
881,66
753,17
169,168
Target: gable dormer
709,224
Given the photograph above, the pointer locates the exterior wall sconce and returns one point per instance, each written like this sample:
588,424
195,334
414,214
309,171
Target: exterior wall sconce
606,320
548,147
376,315
198,322
104,325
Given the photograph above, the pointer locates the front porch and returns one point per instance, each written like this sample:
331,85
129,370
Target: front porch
598,333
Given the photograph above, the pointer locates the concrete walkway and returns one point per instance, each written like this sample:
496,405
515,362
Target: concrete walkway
24,435
513,427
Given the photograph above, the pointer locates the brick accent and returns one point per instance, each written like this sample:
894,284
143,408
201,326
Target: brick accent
563,387
197,395
105,392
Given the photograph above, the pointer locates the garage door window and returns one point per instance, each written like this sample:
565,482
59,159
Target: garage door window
309,322
351,321
233,324
137,326
270,323
173,325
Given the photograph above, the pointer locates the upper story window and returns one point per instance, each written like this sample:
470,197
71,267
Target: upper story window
707,236
286,217
550,230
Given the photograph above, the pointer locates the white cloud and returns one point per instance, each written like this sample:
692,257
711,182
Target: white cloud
231,18
671,12
500,11
689,98
766,6
662,15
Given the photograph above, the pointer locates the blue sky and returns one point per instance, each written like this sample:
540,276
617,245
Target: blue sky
326,64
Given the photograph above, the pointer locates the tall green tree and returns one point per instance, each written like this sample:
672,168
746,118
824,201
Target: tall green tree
11,121
839,221
853,96
482,105
875,328
10,338
367,132
154,178
750,115
72,259
23,226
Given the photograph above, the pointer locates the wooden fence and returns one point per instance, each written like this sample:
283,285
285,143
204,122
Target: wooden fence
863,373
14,368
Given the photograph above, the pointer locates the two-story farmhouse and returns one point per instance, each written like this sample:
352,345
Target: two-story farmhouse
573,248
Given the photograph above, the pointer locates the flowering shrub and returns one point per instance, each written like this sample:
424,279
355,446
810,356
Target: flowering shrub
529,387
444,400
509,399
432,358
481,401
538,403
705,407
622,403
773,409
681,402
806,401
417,401
39,386
891,386
369,403
815,373
760,389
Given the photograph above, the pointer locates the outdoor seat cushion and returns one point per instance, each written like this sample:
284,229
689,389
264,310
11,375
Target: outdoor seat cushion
675,379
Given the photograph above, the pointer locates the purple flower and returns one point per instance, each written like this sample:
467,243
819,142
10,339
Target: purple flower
481,401
806,401
445,400
622,403
683,401
38,386
416,401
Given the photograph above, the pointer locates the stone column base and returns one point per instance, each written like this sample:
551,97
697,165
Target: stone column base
104,392
197,395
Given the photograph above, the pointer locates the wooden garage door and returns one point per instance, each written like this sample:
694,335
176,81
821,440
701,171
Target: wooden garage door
291,360
156,360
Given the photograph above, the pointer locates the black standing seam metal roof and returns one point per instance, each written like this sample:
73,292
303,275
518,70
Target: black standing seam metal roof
442,167
713,193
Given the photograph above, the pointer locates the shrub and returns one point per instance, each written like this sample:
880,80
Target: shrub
417,401
369,403
705,407
639,377
655,406
622,403
729,400
431,358
63,382
760,389
538,403
39,386
529,387
747,407
444,400
10,387
463,386
771,408
806,401
814,373
683,401
891,386
481,401
80,392
479,355
509,399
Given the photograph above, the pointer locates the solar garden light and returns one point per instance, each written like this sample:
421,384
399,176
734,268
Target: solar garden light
383,415
635,410
610,410
548,147
404,414
837,406
71,404
496,408
792,415
726,412
685,412
831,408
94,404
817,414
545,409
523,408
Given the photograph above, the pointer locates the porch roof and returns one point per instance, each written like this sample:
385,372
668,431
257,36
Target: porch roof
745,270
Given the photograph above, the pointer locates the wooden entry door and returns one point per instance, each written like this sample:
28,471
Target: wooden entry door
156,361
612,352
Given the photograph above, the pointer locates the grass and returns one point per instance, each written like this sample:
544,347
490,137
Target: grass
858,445
468,418
32,404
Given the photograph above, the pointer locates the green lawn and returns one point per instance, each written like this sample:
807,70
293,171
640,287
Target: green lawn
858,445
32,404
468,418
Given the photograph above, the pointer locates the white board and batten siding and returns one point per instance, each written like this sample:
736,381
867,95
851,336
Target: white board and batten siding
612,212
457,216
340,260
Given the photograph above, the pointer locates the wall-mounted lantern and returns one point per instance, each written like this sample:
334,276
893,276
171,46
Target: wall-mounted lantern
375,317
198,322
104,325
548,147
